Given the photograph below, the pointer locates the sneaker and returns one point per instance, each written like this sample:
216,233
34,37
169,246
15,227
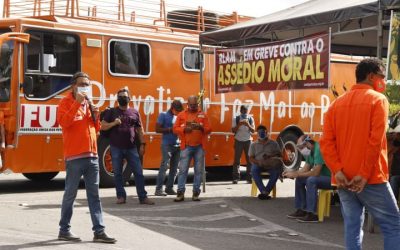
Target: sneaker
121,200
297,214
180,197
146,201
68,236
249,181
170,191
235,182
264,197
195,196
160,193
310,217
103,238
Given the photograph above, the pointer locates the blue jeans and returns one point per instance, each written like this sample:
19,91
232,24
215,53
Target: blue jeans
273,178
306,192
197,154
395,184
379,200
89,168
170,158
132,157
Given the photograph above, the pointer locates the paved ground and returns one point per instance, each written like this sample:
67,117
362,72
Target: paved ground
226,218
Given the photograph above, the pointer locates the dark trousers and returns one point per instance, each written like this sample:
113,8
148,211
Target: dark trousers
241,146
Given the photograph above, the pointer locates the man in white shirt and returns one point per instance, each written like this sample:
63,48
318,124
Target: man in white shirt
242,127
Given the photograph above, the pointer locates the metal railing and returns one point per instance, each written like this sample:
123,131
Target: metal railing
129,12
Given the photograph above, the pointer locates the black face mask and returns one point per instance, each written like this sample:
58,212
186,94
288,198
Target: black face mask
123,100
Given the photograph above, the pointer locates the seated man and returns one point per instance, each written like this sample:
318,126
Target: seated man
313,176
265,156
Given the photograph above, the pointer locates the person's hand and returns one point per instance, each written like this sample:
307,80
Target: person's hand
3,147
290,174
142,149
198,126
117,121
95,110
357,184
80,97
245,122
188,129
341,180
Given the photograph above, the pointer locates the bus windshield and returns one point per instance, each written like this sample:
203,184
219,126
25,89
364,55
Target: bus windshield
6,52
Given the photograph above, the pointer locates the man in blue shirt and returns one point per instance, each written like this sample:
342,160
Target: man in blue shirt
170,149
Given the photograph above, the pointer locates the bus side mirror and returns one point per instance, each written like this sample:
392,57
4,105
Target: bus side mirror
28,85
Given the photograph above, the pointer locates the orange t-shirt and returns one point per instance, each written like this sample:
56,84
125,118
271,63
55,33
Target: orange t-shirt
195,137
354,135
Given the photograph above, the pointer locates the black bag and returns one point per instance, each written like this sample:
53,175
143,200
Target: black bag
106,133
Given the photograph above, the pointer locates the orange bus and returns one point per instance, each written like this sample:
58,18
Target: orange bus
159,60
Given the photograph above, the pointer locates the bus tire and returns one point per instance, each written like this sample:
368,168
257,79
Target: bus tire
105,165
291,156
39,177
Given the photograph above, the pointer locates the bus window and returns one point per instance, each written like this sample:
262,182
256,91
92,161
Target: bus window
51,60
131,59
191,59
6,52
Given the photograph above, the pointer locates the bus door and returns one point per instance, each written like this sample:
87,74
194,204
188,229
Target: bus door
9,80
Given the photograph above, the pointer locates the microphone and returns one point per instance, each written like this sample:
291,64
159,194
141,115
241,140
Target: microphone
91,108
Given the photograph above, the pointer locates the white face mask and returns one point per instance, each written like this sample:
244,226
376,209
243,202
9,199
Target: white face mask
305,151
87,90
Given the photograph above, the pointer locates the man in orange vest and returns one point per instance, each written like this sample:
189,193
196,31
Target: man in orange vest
192,127
79,121
354,147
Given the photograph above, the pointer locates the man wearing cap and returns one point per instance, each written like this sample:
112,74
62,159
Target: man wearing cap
312,176
170,149
242,127
354,146
265,155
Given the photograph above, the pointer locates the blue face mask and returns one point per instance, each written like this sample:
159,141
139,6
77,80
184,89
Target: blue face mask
262,134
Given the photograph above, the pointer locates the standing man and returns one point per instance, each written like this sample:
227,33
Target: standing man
242,127
192,127
126,123
354,147
170,149
78,119
265,155
312,176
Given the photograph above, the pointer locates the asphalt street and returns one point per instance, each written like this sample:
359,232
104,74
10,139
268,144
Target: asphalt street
226,218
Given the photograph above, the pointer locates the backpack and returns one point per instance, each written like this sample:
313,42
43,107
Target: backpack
248,118
106,133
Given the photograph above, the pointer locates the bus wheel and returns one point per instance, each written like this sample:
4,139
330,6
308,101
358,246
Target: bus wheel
40,176
105,164
291,156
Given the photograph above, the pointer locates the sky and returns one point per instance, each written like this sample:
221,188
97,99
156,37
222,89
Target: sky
254,8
